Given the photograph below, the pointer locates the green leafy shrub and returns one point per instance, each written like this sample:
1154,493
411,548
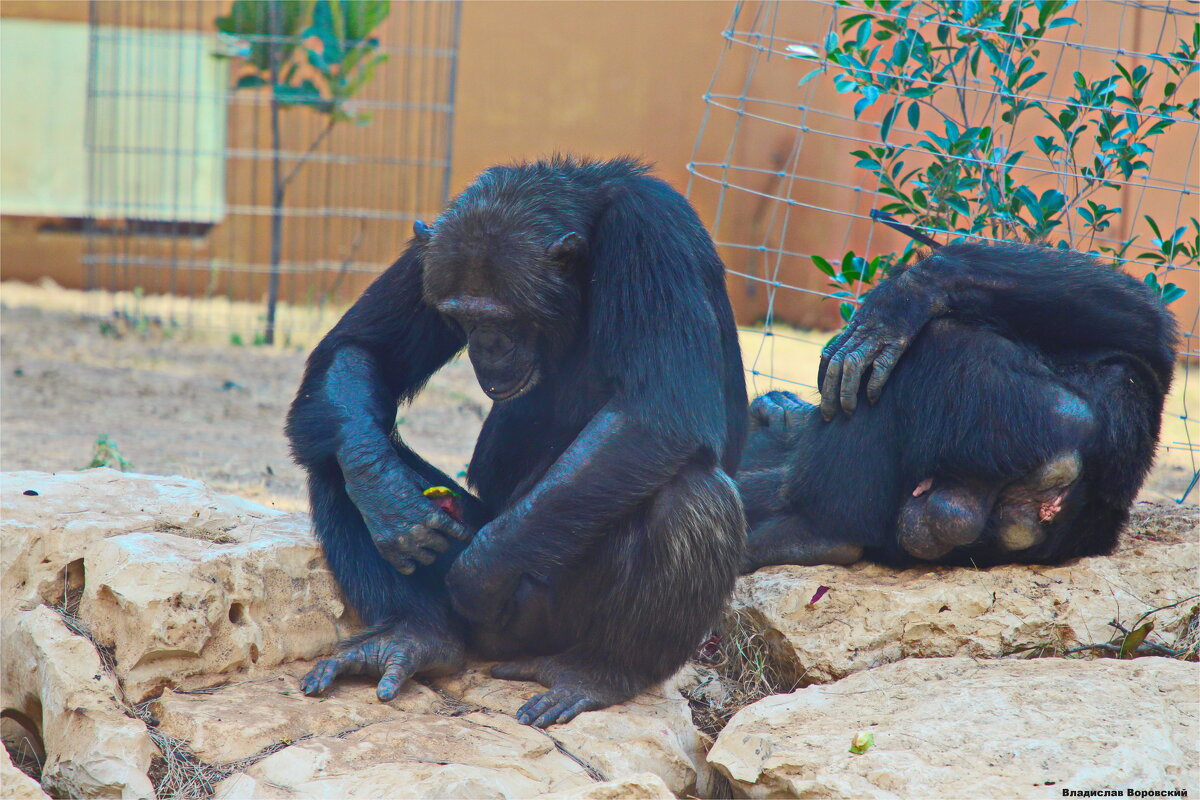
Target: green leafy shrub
972,169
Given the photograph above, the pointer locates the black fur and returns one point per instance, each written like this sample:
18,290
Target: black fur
605,535
1034,353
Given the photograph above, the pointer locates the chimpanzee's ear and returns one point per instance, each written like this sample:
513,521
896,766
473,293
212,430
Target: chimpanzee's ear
566,248
421,231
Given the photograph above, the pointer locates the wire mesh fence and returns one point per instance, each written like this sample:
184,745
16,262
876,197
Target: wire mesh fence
1071,123
257,163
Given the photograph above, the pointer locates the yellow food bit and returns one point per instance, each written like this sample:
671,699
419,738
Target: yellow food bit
862,742
438,492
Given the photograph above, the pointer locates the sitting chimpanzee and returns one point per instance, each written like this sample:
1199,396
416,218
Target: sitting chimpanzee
1024,397
605,533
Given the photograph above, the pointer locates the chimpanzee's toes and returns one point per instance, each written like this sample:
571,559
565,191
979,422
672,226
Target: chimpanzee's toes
393,656
557,707
319,677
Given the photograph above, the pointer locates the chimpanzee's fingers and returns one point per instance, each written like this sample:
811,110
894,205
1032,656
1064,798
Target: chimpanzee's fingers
405,566
852,371
448,525
835,375
881,370
433,540
829,388
833,348
423,555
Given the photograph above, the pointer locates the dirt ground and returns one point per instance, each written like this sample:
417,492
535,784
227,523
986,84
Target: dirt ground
200,407
176,405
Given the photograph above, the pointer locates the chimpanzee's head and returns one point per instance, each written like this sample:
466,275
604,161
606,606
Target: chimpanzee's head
508,281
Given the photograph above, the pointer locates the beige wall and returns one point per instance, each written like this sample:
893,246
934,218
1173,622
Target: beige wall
604,78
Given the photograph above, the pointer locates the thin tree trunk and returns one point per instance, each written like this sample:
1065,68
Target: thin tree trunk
277,183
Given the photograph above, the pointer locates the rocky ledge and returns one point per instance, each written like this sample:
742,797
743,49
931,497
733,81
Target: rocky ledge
154,633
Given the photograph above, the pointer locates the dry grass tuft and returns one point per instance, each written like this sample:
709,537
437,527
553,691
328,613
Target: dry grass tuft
1187,635
739,667
179,774
24,755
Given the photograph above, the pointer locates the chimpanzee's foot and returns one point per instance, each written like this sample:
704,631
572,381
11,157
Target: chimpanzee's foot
939,518
394,655
782,539
571,690
1026,507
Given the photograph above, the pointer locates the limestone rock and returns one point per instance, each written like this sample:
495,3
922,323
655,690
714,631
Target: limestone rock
185,584
16,785
49,518
875,615
651,733
646,786
965,729
477,755
234,722
54,678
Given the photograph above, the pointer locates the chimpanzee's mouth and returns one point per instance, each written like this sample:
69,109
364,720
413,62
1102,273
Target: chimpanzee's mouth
501,394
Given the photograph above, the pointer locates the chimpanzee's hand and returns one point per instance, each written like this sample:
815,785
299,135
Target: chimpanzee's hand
482,581
779,412
880,331
407,527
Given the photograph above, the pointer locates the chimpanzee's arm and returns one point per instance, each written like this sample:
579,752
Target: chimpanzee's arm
384,349
1052,298
612,467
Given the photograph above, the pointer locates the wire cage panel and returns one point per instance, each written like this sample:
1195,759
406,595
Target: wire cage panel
209,187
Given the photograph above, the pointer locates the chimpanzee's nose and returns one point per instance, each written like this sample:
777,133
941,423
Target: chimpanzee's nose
491,343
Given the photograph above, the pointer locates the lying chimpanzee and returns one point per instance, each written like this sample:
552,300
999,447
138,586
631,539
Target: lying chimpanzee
606,532
1025,388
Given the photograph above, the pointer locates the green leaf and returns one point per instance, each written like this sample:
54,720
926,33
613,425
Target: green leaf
864,34
808,77
914,115
823,265
870,95
1051,202
1134,639
306,93
249,82
1171,293
329,26
361,76
885,127
1031,81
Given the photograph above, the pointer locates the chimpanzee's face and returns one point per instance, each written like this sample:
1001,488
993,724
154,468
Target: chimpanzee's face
511,293
503,351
